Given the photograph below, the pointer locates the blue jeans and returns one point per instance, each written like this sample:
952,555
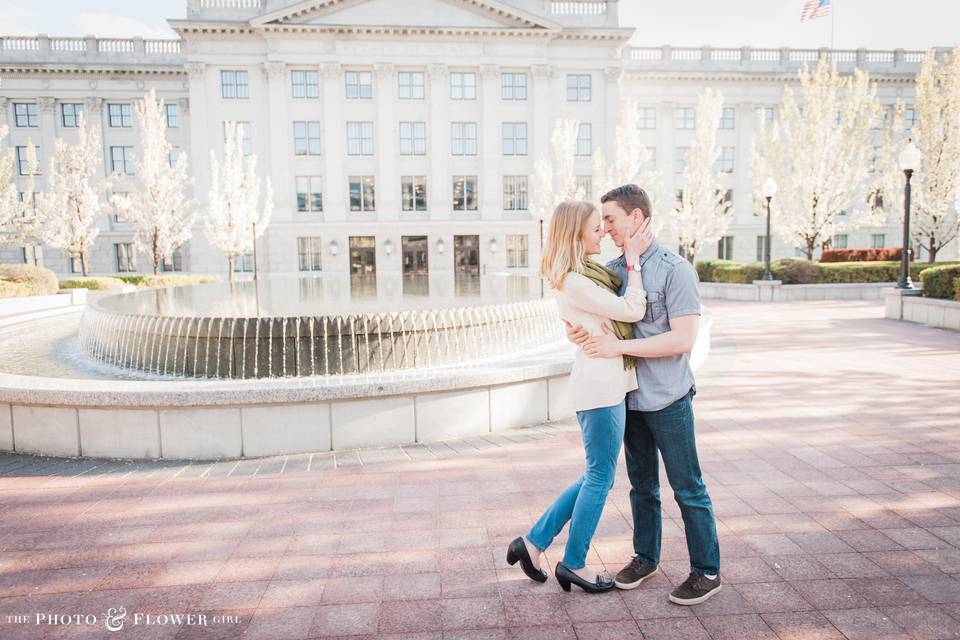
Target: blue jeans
582,502
671,431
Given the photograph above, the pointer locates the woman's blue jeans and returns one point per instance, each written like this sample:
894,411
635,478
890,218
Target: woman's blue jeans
582,502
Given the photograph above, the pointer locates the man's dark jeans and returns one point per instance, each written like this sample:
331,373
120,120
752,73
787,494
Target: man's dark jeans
671,431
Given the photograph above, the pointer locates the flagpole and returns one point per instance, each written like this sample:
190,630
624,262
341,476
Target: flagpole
833,12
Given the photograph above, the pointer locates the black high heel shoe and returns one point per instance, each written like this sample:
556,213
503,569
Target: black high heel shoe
566,577
518,551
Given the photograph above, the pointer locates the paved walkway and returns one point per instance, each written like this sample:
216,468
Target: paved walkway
830,441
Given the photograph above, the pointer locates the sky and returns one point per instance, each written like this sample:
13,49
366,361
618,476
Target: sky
872,24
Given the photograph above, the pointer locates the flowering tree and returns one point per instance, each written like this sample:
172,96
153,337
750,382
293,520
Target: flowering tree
158,205
703,212
554,180
819,154
68,212
631,162
16,215
234,212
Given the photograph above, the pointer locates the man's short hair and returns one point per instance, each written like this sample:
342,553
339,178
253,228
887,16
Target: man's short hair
630,197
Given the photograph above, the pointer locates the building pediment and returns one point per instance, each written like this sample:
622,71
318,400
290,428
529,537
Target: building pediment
454,14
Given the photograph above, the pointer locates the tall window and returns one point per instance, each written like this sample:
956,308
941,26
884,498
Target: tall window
410,85
120,160
579,87
305,83
878,240
585,139
172,262
725,160
120,115
306,138
243,263
463,138
513,86
234,84
362,193
126,258
839,241
680,159
359,138
172,114
172,156
765,116
244,128
585,186
413,138
684,118
465,193
23,161
647,118
652,162
910,117
359,85
727,118
413,192
725,248
70,115
309,193
74,263
515,193
517,254
514,138
463,86
309,250
761,245
25,114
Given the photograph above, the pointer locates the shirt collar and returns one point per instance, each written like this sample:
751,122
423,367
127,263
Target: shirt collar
621,260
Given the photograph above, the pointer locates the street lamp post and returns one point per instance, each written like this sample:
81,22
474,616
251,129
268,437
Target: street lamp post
769,190
909,161
255,251
541,254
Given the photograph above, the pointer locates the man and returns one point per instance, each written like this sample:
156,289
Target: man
660,413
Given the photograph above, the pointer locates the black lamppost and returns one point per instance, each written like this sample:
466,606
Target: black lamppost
909,161
769,190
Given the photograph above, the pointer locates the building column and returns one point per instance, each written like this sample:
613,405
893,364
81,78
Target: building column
335,181
386,132
279,142
742,192
439,188
200,141
48,129
612,78
541,126
491,207
5,112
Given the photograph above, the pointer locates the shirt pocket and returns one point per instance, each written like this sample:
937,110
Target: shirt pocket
656,307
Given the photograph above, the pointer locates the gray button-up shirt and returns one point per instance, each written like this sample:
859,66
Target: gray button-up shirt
672,290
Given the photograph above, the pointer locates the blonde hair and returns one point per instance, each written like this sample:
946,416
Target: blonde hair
563,251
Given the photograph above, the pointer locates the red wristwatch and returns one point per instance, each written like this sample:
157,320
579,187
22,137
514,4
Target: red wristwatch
633,267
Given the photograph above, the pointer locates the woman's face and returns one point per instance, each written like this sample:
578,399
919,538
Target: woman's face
592,234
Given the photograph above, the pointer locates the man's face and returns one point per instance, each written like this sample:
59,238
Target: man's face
618,223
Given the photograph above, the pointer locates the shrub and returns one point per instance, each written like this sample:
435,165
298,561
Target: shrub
706,268
92,283
738,273
887,254
956,289
938,282
18,280
795,271
167,280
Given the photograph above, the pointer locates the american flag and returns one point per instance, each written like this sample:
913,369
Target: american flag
814,9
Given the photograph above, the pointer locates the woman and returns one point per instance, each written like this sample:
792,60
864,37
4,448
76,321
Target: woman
587,294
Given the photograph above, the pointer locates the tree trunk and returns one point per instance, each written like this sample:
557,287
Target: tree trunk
933,252
811,244
83,262
230,267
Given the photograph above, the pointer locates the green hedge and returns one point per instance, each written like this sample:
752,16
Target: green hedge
17,280
956,289
166,280
94,283
938,281
799,271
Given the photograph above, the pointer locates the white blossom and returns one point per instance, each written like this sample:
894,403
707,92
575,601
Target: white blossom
16,215
554,179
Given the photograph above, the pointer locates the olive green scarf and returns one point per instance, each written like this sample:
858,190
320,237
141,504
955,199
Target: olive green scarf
610,280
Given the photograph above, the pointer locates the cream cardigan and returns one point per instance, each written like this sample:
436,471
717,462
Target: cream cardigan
598,382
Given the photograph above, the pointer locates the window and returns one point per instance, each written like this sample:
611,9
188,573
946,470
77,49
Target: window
680,159
585,139
309,250
765,116
678,198
727,118
684,118
70,115
910,117
514,138
513,86
120,160
173,115
465,193
173,262
413,192
652,161
761,244
517,255
878,240
727,197
126,258
243,263
306,138
725,160
647,118
410,85
413,138
463,138
32,197
25,114
309,193
244,128
305,84
875,199
578,87
585,186
32,254
359,138
362,193
23,161
74,263
886,117
234,84
874,156
515,193
463,86
172,156
840,241
359,85
120,115
725,248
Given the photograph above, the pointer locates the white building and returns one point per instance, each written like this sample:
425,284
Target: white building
401,136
